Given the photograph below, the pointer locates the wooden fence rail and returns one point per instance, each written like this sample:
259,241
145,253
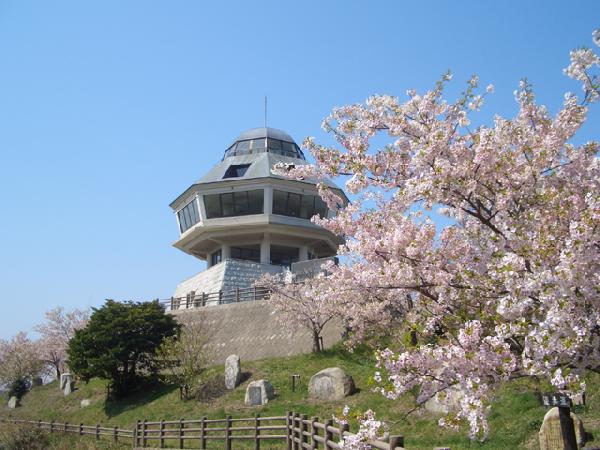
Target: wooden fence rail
292,431
200,299
98,431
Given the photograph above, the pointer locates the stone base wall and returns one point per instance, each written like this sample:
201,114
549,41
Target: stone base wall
225,276
252,331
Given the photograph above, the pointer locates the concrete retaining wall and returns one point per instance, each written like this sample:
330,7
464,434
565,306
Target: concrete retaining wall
252,331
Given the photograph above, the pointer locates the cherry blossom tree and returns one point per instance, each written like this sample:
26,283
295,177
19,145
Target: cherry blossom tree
301,303
19,359
510,288
56,332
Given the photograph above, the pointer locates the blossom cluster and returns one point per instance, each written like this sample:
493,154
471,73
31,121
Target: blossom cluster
510,288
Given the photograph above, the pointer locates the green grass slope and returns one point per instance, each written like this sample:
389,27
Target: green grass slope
515,418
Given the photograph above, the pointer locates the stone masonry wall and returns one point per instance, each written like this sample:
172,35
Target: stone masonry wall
251,330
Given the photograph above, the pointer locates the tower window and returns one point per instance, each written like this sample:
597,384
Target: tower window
238,203
188,216
298,205
236,171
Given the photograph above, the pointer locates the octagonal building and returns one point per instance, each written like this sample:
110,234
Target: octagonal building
244,221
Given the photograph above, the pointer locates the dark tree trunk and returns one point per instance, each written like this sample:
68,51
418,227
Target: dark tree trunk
316,342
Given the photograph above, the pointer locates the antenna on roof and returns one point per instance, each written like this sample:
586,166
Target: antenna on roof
265,111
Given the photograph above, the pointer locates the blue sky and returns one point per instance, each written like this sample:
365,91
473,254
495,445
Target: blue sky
109,110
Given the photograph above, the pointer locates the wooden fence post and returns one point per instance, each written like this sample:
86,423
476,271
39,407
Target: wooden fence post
144,428
328,434
52,426
237,294
314,432
303,430
396,441
66,426
135,434
256,432
181,433
220,297
203,433
116,434
172,303
40,423
288,436
228,433
296,435
81,429
161,434
97,431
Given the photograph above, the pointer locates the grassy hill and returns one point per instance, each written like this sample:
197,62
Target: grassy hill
515,418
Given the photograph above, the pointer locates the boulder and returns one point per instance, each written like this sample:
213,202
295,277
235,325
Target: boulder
445,401
233,372
331,384
551,433
259,393
85,403
69,384
63,380
13,402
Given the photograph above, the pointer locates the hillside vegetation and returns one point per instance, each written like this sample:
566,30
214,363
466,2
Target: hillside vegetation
515,419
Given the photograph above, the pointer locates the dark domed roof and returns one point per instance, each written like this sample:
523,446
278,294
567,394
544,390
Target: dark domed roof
255,133
264,140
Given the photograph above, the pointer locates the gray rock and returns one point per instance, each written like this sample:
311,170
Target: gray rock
233,372
13,402
551,433
331,384
85,403
63,380
445,401
259,393
69,384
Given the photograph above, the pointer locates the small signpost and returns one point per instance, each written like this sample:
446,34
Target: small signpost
563,402
295,377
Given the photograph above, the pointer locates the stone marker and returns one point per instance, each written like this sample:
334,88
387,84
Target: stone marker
69,385
63,380
85,403
259,393
233,372
13,402
37,381
331,384
445,401
551,434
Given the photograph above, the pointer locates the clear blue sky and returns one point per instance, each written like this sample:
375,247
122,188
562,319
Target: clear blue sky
110,109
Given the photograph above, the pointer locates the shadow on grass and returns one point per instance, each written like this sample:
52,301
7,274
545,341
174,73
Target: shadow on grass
147,393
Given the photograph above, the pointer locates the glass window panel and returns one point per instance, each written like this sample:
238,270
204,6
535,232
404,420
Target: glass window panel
242,145
320,207
256,201
258,143
215,258
279,202
287,146
307,208
182,226
274,144
293,208
240,200
212,203
227,204
195,215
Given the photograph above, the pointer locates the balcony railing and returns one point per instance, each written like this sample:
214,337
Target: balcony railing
199,300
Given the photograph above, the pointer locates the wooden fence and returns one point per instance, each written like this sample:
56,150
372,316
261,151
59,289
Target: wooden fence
198,300
293,432
117,434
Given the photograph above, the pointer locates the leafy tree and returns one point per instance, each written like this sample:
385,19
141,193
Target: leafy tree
510,287
300,303
19,359
119,343
18,388
56,332
184,356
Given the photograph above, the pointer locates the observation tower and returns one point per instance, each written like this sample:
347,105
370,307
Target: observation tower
245,221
